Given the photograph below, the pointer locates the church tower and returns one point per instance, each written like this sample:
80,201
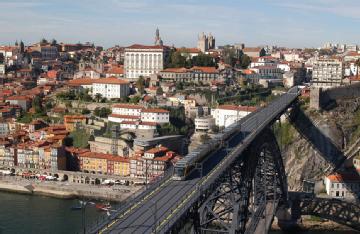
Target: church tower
211,42
158,40
202,42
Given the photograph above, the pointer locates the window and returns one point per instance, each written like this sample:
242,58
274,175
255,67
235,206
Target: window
337,193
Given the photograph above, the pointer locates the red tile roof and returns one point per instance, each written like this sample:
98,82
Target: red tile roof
155,110
139,123
127,106
252,49
138,46
109,157
189,50
111,80
124,116
79,82
176,70
205,69
157,150
344,177
239,108
116,70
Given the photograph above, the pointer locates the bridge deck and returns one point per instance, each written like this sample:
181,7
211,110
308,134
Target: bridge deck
173,198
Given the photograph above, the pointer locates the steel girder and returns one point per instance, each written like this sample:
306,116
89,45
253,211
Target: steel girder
254,179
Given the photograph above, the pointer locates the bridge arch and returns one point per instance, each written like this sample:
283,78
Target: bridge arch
339,211
245,189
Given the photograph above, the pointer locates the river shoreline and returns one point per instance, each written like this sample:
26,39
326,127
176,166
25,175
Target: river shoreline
309,225
67,191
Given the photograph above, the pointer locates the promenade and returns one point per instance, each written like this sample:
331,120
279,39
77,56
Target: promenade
66,190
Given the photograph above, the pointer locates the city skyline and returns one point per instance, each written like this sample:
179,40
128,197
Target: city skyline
302,23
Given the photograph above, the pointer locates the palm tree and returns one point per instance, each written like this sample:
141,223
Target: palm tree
98,96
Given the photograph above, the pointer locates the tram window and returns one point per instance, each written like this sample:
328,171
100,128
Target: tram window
179,171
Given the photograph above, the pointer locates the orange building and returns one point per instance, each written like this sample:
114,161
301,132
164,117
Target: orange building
71,122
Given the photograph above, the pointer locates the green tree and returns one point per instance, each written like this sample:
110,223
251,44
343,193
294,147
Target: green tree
85,111
140,85
203,60
159,91
177,60
98,97
36,104
179,86
245,61
102,112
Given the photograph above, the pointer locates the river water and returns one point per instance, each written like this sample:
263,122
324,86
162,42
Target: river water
26,214
37,214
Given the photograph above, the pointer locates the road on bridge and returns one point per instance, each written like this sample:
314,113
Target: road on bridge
163,206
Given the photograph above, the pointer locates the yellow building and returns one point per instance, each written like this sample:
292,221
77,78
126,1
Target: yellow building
71,122
121,166
104,164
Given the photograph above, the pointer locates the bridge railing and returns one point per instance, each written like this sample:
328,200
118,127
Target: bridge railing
130,202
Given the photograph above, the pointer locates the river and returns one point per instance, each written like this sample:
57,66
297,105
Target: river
37,214
26,214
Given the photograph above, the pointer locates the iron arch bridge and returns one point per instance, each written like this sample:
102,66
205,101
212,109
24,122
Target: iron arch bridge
237,189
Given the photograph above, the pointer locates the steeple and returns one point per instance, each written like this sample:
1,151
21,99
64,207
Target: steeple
158,40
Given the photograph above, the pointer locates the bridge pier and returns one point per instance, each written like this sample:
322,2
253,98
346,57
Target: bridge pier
287,219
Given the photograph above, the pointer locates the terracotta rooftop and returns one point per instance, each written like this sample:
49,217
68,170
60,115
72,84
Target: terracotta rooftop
238,108
155,110
111,80
127,106
205,69
138,46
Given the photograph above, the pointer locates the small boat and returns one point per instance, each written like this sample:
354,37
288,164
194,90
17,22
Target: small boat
103,207
76,208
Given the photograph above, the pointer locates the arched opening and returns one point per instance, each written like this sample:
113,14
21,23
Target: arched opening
97,181
65,178
12,171
87,180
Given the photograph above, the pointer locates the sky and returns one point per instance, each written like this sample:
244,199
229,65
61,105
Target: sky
291,23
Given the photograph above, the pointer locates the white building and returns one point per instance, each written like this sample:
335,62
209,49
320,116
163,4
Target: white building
204,124
141,60
264,61
342,185
159,116
4,129
292,57
138,116
225,115
2,69
284,66
327,73
138,125
111,87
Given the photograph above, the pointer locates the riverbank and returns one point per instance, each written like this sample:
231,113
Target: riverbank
66,190
316,225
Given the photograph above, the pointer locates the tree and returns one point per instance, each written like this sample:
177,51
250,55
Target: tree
85,111
203,60
177,60
357,68
245,61
53,42
179,86
98,97
102,112
159,91
36,104
140,85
